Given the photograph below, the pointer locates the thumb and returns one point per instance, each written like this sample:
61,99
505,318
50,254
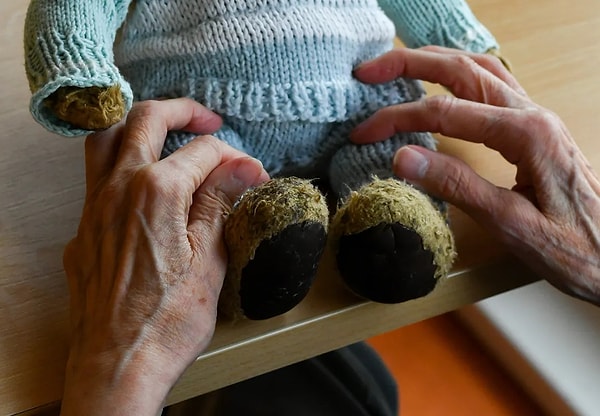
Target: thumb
219,191
449,179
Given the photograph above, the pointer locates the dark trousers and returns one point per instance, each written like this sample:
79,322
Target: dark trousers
351,381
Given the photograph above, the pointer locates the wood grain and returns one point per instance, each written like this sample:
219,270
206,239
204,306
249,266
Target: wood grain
555,50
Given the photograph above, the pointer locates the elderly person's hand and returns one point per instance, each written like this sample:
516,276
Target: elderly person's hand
551,217
148,261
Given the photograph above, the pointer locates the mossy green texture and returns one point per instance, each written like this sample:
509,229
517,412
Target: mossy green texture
91,108
391,201
260,214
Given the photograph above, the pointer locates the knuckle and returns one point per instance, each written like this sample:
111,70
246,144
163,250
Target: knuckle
217,202
439,104
464,62
142,121
543,126
495,65
149,175
544,120
146,185
491,61
215,144
200,150
150,178
211,211
451,185
456,183
439,107
468,78
143,109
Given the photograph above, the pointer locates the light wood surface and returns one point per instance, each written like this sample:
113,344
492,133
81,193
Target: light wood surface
555,50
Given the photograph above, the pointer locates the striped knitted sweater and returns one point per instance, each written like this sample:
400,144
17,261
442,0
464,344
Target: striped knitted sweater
278,60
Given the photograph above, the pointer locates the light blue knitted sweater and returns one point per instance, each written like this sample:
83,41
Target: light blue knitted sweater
272,61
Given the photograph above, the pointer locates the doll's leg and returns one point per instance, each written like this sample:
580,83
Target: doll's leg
392,241
275,238
177,139
355,165
276,233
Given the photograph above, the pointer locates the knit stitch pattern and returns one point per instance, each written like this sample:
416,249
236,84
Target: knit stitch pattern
285,63
69,43
257,59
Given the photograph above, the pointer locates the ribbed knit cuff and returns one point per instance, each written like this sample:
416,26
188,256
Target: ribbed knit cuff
449,23
69,45
79,66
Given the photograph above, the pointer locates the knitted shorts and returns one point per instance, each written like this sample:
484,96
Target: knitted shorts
311,150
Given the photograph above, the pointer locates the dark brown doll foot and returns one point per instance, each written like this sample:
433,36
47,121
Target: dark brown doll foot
282,270
387,264
392,244
275,238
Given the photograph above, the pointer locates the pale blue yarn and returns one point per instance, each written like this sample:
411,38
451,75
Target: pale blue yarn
68,44
252,61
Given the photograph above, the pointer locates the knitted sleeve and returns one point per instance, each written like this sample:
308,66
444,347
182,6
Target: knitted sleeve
69,43
449,23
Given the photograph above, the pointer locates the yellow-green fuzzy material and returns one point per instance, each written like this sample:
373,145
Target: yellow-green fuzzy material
92,108
391,201
260,214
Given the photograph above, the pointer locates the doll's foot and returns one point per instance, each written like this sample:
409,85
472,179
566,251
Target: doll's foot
275,238
392,244
91,108
282,270
386,263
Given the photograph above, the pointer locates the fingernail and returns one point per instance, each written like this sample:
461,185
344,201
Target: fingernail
363,69
410,163
358,131
249,172
361,66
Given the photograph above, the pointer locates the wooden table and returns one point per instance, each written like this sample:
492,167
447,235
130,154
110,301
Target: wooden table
555,50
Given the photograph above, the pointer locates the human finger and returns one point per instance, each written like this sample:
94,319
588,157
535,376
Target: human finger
452,180
191,164
148,122
463,76
217,195
491,63
180,176
452,117
101,150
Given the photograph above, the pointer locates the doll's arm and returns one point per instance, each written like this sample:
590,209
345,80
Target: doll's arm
68,54
449,23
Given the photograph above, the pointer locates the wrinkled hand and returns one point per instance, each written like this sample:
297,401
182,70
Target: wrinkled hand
148,261
551,217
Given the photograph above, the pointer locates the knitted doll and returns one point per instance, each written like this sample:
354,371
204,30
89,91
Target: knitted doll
279,72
